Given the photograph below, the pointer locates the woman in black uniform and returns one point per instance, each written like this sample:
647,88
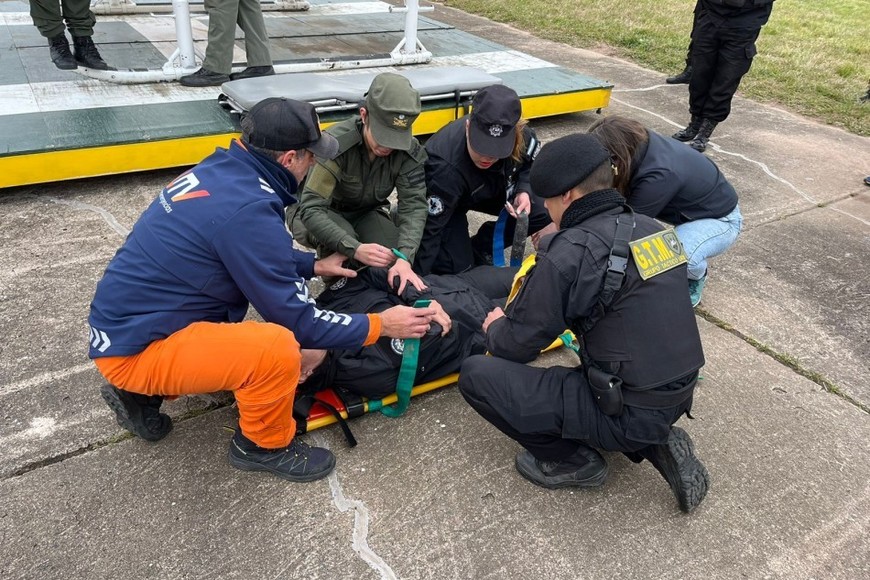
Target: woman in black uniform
673,183
480,162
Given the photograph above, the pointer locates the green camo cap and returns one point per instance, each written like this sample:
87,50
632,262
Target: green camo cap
392,105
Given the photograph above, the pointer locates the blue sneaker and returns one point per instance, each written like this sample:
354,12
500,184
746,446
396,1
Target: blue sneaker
695,289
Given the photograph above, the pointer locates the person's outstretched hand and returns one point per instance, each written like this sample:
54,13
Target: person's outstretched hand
333,265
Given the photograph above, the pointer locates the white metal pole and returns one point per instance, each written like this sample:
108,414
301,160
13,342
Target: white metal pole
184,34
411,26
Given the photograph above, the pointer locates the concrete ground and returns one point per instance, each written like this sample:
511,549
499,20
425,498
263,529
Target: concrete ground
434,494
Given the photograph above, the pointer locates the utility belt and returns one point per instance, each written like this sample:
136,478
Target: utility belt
611,395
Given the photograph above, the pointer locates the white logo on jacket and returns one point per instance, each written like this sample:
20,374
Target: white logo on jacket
398,346
436,206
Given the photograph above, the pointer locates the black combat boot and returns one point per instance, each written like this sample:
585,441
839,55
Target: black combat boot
586,468
690,131
682,78
204,78
61,56
676,462
138,414
87,54
699,143
253,71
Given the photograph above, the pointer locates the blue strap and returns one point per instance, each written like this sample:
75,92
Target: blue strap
498,239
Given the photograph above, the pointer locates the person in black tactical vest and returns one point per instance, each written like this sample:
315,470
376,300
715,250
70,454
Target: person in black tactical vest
480,162
618,280
723,46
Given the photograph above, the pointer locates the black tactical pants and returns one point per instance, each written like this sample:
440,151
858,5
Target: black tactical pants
720,58
551,412
459,251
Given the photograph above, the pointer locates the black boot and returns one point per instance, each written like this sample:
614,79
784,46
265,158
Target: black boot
61,56
676,462
699,143
87,54
253,71
204,78
586,468
138,414
690,131
681,79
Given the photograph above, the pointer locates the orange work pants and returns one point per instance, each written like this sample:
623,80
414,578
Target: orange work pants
259,362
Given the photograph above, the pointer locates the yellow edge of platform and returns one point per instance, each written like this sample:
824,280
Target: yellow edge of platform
49,166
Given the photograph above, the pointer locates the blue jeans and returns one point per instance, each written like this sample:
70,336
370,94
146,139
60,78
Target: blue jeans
706,238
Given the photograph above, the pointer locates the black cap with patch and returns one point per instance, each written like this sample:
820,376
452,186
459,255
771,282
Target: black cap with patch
492,127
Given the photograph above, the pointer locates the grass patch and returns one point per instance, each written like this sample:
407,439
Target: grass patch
813,55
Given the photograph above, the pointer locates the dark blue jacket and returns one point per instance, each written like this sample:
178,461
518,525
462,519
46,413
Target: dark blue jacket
212,242
676,184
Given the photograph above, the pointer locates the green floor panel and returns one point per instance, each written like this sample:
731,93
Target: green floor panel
298,24
544,81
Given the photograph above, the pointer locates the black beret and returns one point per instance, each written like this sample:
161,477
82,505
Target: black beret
566,162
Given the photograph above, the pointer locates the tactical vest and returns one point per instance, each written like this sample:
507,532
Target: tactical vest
647,336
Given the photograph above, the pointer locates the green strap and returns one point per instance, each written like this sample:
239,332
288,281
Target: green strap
568,340
407,374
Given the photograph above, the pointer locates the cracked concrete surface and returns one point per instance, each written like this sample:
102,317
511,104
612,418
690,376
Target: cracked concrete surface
434,494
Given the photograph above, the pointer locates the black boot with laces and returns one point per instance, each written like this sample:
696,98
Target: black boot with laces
61,56
699,143
86,53
138,414
687,134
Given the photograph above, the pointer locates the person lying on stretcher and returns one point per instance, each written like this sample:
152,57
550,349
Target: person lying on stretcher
464,301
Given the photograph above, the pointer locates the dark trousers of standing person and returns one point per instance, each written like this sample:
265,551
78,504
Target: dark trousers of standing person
720,58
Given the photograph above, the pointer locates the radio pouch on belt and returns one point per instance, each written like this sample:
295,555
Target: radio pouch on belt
607,390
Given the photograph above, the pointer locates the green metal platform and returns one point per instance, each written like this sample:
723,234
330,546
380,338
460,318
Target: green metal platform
57,125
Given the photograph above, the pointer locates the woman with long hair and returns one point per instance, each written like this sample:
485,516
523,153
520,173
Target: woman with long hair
664,179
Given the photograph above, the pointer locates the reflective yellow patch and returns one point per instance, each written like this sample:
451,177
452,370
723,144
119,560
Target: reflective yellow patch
657,253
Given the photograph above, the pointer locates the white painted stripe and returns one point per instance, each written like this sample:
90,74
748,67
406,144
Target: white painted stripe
90,93
49,377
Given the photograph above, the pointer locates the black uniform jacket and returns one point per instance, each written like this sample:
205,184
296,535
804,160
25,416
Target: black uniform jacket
677,184
372,371
455,184
648,336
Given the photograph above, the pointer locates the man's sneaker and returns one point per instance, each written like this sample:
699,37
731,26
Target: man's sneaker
86,53
699,143
58,47
681,78
138,414
296,462
204,78
677,463
695,289
689,132
253,71
586,468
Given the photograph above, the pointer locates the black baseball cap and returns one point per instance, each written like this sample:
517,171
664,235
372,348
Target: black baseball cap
282,124
492,127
